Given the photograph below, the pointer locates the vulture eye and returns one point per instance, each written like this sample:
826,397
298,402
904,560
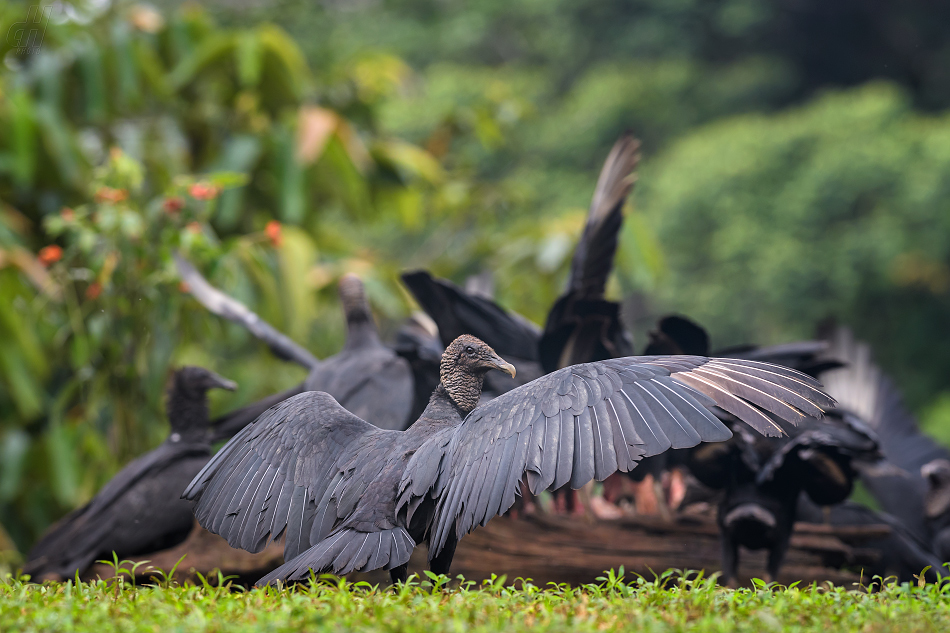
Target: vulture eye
469,350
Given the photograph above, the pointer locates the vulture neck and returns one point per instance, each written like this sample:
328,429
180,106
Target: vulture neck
188,415
463,388
360,329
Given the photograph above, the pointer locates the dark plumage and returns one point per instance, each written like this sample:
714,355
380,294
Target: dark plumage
762,480
362,375
937,505
139,510
349,496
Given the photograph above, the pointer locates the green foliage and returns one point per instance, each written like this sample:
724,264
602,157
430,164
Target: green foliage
837,209
671,602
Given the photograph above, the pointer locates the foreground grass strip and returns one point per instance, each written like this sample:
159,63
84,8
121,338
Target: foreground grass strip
671,602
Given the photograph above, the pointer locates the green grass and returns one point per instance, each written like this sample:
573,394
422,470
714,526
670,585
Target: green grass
669,603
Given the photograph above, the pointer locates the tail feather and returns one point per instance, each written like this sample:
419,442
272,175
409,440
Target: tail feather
346,551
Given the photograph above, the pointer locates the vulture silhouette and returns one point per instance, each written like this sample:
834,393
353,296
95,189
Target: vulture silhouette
368,378
348,496
139,510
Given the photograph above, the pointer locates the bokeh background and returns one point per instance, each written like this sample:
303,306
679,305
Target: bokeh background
796,170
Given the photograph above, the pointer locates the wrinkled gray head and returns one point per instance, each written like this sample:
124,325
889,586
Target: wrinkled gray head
463,367
187,395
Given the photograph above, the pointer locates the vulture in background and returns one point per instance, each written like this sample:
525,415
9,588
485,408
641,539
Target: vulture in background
582,326
861,387
937,505
368,378
762,480
139,510
348,496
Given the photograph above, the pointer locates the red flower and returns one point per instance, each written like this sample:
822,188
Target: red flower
272,230
173,205
67,214
183,286
108,194
50,254
203,191
93,290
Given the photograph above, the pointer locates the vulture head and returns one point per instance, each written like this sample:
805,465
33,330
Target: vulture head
187,396
464,364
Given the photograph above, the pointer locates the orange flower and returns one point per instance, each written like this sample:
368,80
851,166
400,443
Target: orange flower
194,227
272,230
203,191
183,286
50,254
93,290
108,194
173,205
67,214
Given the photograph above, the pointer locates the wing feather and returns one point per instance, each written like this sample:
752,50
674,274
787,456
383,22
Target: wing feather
268,479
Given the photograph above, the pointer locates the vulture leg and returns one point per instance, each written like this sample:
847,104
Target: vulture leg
730,559
399,574
777,555
443,560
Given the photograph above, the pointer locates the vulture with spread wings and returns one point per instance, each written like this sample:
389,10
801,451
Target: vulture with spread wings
348,496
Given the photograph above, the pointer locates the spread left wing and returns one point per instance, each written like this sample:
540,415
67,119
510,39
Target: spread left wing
587,421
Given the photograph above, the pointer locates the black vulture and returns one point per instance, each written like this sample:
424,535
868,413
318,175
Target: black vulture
139,510
763,478
937,505
364,374
860,386
348,496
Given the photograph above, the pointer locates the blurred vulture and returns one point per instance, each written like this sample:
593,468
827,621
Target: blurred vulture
347,496
366,377
139,510
861,387
762,480
582,326
937,505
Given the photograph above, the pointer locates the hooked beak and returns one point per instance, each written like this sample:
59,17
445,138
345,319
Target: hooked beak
499,363
220,382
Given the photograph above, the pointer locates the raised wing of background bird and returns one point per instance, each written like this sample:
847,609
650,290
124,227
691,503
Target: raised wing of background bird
582,326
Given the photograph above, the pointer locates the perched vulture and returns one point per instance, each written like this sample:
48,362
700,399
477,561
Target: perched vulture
762,480
364,374
139,510
347,496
